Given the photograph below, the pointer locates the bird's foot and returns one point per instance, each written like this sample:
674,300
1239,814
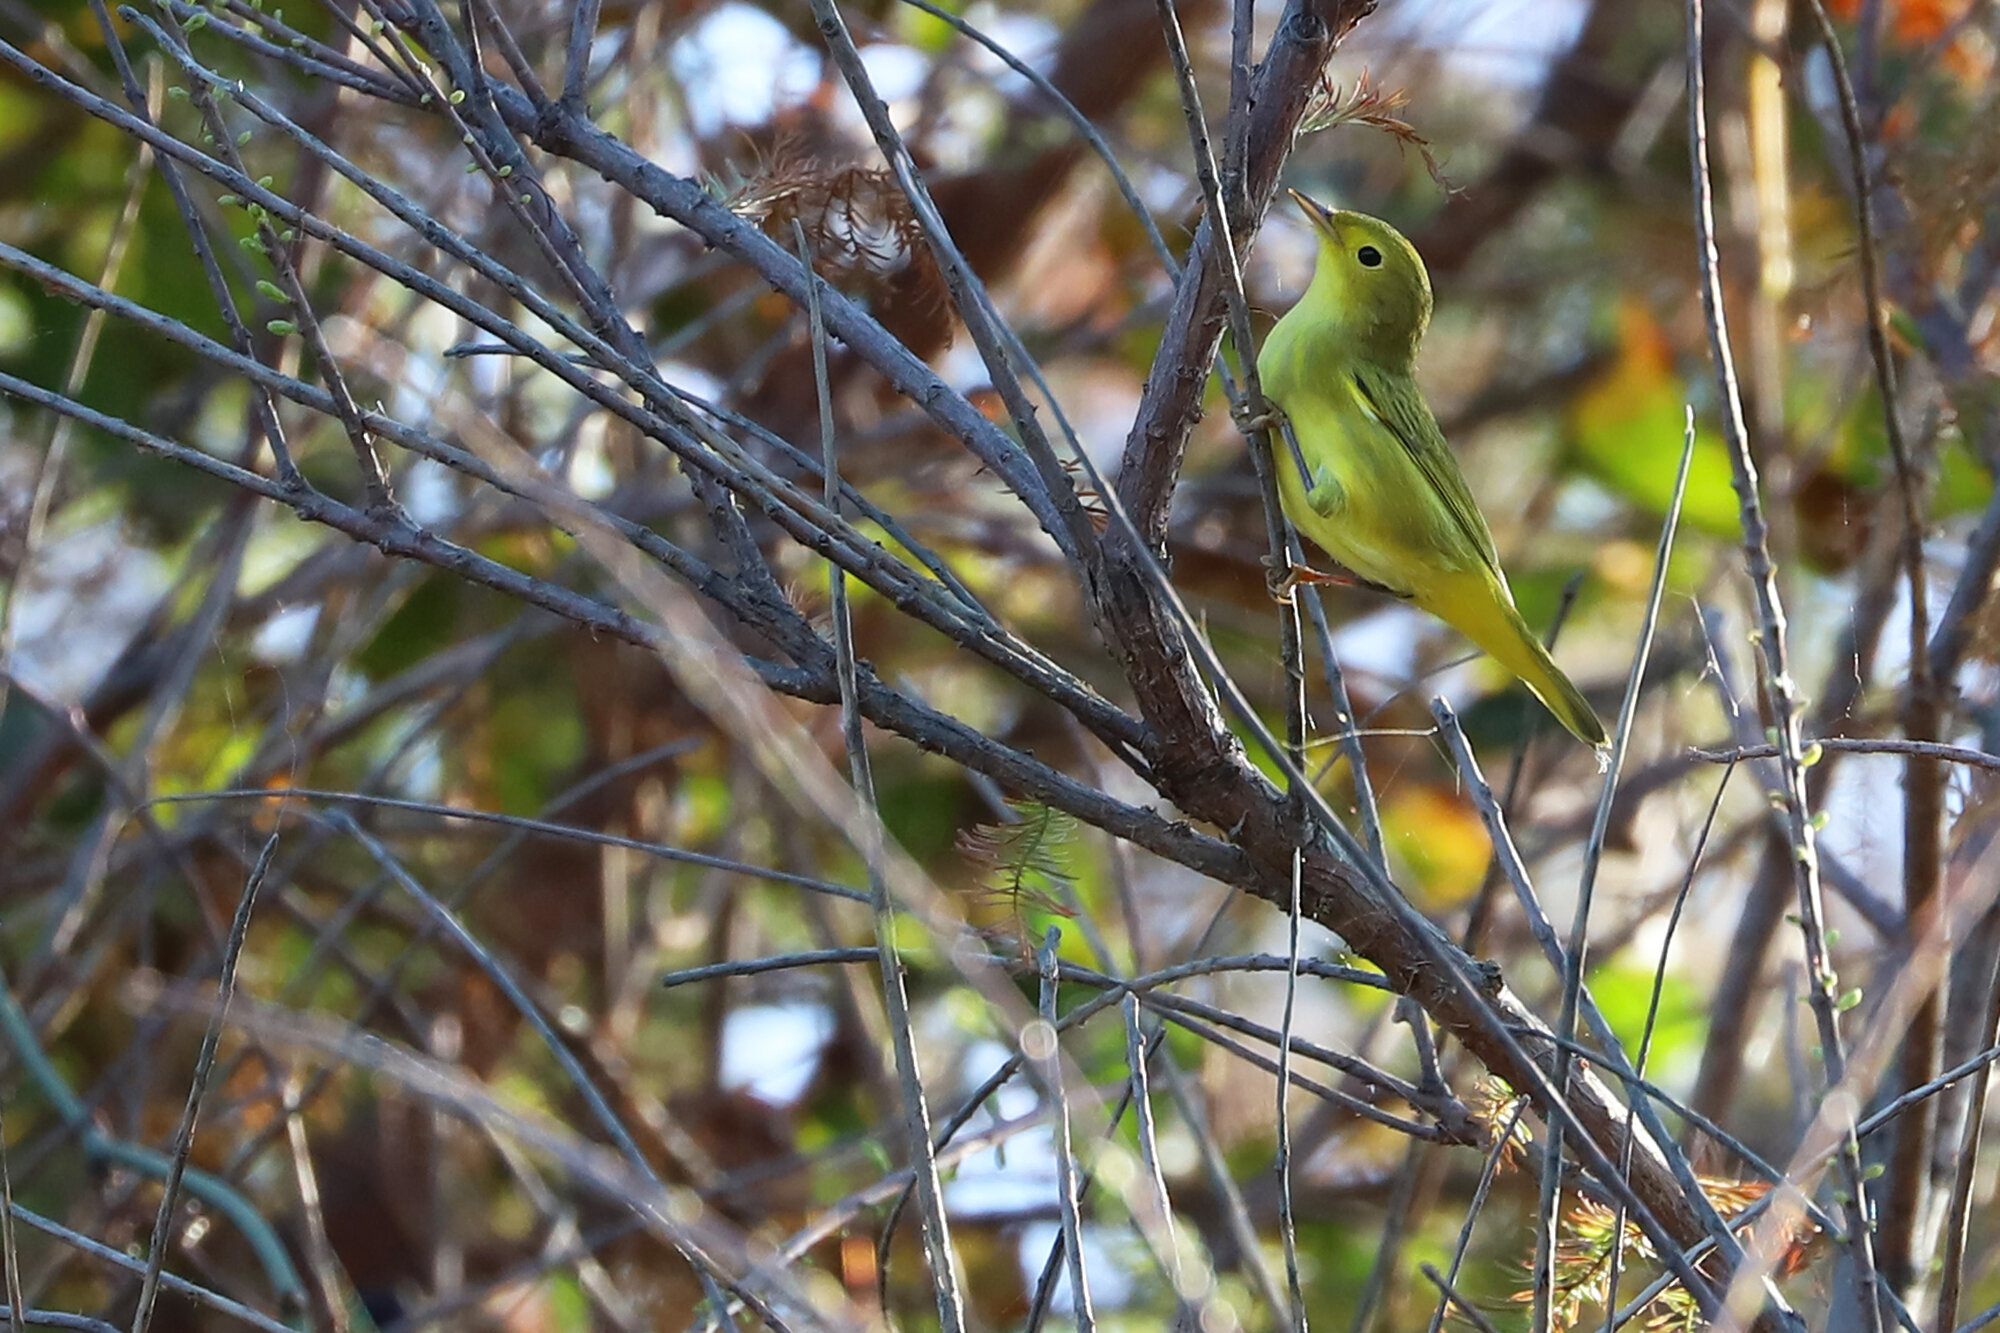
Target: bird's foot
1250,423
1283,583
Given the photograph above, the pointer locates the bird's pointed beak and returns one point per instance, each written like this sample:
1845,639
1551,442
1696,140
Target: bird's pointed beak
1324,219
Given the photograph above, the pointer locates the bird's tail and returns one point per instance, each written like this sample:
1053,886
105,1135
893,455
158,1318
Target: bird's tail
1489,619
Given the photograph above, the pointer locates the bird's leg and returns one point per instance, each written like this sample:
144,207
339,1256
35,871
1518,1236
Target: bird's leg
1283,583
1271,418
1327,496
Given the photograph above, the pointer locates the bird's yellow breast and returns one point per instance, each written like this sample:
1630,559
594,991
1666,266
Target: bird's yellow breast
1388,530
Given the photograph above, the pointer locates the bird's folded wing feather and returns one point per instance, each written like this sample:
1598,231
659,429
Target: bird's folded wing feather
1406,417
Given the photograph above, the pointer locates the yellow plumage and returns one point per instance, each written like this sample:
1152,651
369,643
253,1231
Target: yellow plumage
1373,483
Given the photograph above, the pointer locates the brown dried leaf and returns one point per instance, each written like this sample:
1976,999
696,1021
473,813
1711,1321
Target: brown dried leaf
859,224
1367,104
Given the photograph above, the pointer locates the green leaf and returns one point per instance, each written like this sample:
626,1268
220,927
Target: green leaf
1624,989
1627,428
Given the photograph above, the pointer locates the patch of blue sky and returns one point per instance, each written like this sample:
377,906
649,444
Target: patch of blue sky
1864,811
1510,41
1019,1174
963,368
421,770
1030,38
1382,643
429,492
591,474
91,588
1108,1265
285,637
1161,188
419,388
772,1050
1864,827
1101,415
737,65
898,72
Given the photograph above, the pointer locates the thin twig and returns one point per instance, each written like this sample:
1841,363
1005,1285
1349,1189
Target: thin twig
1780,690
1242,1232
1347,730
1503,1143
1149,1142
1612,1056
1549,1217
1078,121
225,990
1952,754
1907,1187
1289,638
173,1282
1049,1067
509,987
576,65
1076,536
915,1109
1467,1308
218,1194
1958,1212
1652,1019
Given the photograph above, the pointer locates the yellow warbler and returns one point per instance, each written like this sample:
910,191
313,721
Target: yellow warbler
1371,480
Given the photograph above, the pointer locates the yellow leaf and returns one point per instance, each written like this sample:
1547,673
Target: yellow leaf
1440,841
1627,426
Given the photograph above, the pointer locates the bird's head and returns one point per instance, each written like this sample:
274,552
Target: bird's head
1370,285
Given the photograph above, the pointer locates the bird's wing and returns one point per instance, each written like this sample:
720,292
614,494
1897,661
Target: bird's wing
1405,416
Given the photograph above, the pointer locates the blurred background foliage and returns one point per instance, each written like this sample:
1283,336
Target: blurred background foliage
164,637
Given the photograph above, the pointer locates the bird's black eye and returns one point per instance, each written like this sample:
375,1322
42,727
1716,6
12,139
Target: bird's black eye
1369,256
